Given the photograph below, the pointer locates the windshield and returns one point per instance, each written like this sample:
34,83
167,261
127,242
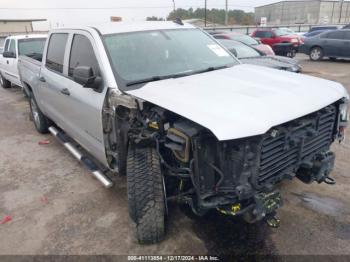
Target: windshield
287,31
279,32
240,50
245,39
156,54
31,46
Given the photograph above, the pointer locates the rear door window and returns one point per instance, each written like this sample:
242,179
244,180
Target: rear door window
336,35
55,52
82,54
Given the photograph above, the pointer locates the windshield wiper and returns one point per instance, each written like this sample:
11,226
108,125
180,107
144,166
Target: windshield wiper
211,68
158,78
182,74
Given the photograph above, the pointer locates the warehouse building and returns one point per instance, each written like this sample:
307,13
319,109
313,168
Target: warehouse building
12,26
15,26
304,12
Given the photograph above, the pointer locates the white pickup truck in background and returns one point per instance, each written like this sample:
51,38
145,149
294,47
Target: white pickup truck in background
26,45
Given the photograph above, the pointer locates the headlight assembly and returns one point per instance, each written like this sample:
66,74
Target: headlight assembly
344,113
343,120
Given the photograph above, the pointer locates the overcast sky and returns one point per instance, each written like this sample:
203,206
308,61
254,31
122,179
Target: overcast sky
73,12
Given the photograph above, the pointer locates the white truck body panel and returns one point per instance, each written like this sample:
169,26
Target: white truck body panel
244,100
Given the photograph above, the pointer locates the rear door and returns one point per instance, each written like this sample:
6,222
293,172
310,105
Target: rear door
82,107
53,79
332,43
346,44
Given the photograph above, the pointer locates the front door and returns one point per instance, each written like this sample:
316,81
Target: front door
83,106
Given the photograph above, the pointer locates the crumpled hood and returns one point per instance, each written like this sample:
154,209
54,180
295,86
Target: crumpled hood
278,62
242,101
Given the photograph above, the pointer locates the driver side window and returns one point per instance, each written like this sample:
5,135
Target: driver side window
12,47
82,54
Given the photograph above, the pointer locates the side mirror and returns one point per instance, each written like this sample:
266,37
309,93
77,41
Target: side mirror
9,54
234,51
84,75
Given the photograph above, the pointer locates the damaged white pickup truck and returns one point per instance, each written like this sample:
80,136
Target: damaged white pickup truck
166,105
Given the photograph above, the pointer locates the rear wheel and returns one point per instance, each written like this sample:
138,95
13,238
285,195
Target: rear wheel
41,122
4,83
146,194
316,53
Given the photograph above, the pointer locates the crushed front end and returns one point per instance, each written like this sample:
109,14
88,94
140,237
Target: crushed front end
239,177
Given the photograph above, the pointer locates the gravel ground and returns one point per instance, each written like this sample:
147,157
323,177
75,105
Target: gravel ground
58,208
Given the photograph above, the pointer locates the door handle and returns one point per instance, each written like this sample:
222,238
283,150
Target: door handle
42,79
65,91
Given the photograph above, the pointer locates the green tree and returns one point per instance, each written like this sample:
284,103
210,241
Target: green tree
214,15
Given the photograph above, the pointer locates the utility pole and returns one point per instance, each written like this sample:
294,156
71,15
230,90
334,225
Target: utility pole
174,6
205,13
226,13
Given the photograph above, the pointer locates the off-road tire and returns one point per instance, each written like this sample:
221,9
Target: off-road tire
146,196
41,122
4,83
316,53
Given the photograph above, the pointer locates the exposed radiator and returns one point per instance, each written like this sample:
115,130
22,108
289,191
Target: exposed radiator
295,142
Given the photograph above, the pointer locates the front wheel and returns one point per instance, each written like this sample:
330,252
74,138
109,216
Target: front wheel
41,122
4,83
146,194
316,54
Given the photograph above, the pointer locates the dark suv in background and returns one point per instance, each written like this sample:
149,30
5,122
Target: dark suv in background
332,44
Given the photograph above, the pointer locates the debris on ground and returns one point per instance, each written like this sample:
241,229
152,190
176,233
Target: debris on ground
44,142
44,200
5,220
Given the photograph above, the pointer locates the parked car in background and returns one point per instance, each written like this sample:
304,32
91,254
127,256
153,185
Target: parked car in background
333,44
323,28
246,39
249,55
314,33
169,107
291,32
27,45
281,42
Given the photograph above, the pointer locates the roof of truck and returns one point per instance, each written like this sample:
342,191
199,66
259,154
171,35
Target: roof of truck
124,27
